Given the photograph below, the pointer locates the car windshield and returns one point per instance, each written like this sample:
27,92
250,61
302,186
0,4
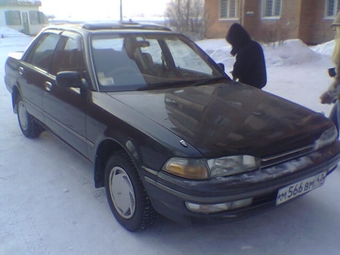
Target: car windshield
147,60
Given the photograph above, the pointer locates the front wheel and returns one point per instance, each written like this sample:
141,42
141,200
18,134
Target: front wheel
28,125
126,194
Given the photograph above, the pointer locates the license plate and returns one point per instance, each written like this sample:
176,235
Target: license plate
299,188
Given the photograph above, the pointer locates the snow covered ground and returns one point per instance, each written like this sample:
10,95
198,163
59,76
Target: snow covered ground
48,203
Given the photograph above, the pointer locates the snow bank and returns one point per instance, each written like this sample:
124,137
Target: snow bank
290,52
325,48
12,40
218,50
9,32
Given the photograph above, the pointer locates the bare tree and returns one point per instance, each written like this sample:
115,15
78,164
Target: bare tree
273,33
187,17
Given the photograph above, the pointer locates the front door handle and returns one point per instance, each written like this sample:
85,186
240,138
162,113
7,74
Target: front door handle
48,86
21,70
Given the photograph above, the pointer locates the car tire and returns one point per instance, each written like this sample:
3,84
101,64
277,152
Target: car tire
28,125
126,194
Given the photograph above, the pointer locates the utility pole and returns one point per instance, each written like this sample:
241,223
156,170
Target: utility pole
240,10
121,10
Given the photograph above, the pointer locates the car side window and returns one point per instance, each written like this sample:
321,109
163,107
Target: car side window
186,58
42,54
154,51
69,55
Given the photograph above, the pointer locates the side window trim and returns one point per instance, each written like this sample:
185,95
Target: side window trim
34,45
40,54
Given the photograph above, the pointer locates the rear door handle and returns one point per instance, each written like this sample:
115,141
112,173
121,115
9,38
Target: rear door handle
48,86
21,70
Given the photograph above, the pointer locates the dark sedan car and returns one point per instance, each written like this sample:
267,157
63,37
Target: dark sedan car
167,130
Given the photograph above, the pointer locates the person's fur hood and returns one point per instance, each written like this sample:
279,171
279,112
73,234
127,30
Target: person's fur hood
237,36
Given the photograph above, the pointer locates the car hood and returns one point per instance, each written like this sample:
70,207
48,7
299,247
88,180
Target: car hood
229,118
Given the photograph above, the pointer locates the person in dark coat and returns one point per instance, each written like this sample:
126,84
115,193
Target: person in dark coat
250,66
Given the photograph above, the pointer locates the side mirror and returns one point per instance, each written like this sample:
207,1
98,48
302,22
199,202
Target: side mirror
221,65
143,44
69,79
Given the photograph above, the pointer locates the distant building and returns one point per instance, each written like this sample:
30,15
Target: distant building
23,16
274,20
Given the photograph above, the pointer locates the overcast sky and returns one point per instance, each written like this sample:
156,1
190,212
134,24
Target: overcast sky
101,9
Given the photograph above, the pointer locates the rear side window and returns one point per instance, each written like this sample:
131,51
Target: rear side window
42,53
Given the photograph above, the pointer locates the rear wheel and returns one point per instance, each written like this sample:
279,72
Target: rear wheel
28,125
126,194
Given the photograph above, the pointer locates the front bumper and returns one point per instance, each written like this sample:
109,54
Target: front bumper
169,193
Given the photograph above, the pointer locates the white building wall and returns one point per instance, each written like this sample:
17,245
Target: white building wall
33,28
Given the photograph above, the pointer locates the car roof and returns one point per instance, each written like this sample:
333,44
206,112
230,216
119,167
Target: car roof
109,26
124,25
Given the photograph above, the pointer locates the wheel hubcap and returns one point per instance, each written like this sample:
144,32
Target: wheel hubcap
122,192
23,117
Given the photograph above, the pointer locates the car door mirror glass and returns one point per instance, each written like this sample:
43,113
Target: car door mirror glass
68,79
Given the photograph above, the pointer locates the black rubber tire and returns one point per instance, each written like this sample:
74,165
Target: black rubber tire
126,194
28,125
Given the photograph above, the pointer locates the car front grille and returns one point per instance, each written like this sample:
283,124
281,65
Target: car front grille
282,157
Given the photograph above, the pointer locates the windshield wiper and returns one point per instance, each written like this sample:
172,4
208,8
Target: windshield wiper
182,83
168,84
210,80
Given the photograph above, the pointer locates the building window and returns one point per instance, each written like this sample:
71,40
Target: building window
13,18
332,7
228,9
271,8
36,17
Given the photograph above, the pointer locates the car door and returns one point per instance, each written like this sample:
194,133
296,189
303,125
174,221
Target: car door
65,108
34,70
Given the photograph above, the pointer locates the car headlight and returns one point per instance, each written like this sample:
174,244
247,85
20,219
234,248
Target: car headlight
327,137
202,169
232,165
187,168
